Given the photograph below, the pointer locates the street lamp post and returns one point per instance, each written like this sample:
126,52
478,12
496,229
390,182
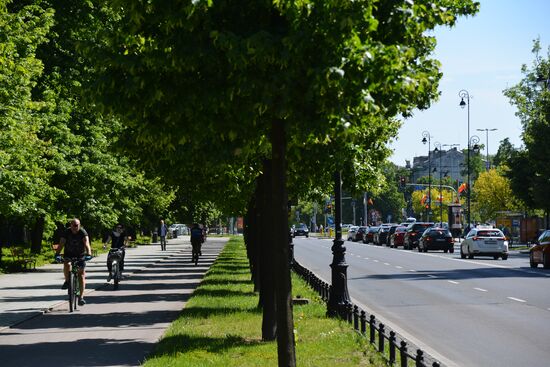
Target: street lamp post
427,138
473,145
437,146
487,165
464,94
339,299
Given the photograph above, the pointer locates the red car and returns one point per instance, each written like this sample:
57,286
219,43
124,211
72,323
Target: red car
540,253
398,237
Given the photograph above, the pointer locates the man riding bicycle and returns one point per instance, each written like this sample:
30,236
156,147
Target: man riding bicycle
76,243
197,238
118,241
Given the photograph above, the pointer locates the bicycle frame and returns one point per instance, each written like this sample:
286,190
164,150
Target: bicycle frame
74,282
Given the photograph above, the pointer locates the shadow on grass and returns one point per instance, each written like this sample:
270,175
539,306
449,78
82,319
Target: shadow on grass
206,312
186,343
222,293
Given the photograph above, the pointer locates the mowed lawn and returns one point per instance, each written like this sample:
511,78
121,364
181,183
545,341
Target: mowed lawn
221,325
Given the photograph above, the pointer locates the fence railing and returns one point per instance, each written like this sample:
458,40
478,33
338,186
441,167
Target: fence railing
387,341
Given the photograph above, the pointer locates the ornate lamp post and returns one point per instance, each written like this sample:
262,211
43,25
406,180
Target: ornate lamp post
339,296
437,146
464,94
487,164
426,138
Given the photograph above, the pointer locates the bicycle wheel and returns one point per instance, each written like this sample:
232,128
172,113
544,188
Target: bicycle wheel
116,274
76,290
70,290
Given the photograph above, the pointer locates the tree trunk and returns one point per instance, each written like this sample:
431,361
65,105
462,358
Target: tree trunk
285,322
267,253
37,235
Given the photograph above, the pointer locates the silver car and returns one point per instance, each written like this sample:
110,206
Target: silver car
484,241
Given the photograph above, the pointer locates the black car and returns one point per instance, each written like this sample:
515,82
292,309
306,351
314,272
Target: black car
413,234
381,236
436,238
300,230
360,234
369,235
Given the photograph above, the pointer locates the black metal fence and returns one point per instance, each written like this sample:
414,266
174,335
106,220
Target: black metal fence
387,341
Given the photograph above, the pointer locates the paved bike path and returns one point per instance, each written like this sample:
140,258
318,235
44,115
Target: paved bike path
114,328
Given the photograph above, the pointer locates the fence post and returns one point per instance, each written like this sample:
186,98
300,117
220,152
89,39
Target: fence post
419,358
381,338
349,312
363,322
403,353
392,347
356,317
371,324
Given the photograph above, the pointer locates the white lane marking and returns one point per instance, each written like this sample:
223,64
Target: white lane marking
481,289
366,258
516,299
412,270
431,276
386,264
399,267
453,282
376,261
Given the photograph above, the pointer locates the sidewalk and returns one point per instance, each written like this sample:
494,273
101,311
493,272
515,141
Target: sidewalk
114,328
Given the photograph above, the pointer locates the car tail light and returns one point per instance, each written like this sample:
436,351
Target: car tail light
413,234
475,238
450,239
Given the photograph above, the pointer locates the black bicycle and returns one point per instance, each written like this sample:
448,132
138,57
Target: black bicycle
73,289
115,256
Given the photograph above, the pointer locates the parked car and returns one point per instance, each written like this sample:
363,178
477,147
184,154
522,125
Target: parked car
177,229
369,235
352,232
380,236
390,233
484,241
398,237
414,231
540,252
300,230
359,234
436,238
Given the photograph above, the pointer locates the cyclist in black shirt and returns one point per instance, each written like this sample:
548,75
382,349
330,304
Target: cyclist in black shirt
76,243
197,238
118,240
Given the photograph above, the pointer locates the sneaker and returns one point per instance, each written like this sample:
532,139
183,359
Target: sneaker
81,302
65,285
109,277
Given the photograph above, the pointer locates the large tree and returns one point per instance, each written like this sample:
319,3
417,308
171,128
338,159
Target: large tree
210,89
530,174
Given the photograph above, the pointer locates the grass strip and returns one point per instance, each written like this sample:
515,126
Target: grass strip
221,325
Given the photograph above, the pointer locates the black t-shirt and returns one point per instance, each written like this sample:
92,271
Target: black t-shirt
117,242
74,242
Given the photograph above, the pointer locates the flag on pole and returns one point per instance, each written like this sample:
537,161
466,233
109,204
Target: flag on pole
462,187
370,202
423,200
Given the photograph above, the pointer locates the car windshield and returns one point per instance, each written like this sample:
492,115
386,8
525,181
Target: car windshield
493,233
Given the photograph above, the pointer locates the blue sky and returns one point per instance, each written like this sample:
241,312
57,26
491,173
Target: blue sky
483,55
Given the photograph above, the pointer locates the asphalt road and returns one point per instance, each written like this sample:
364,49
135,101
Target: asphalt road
479,312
